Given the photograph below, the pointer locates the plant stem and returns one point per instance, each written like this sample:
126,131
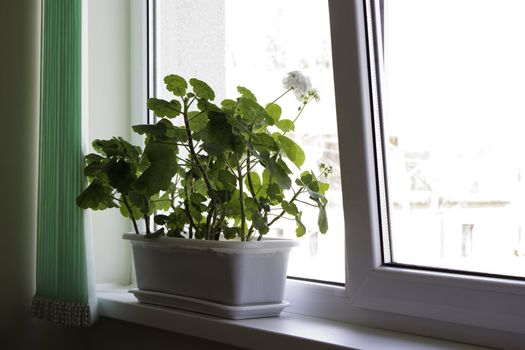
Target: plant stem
187,211
229,166
283,212
113,197
191,102
283,217
250,232
252,191
170,143
197,162
218,225
248,169
250,183
211,210
174,109
213,235
278,98
160,200
300,201
146,217
196,115
241,198
298,114
131,214
183,160
192,147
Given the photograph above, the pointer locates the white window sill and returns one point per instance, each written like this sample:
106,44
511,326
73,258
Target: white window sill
289,331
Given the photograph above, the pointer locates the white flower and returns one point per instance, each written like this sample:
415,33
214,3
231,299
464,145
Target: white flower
300,84
315,94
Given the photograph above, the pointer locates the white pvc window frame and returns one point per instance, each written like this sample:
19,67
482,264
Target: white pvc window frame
490,310
482,310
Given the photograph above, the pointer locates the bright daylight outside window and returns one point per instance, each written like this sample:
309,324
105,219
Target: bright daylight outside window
255,43
454,123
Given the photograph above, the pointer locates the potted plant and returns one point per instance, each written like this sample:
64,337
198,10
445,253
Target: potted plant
213,180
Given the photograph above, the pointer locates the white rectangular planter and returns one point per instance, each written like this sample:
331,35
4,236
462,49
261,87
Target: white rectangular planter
225,278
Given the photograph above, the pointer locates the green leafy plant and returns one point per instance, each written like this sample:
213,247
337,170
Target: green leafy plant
208,170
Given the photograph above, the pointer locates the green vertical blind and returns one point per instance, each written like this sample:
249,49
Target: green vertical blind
61,278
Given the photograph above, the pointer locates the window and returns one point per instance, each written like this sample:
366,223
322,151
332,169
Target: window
381,290
223,43
413,289
474,308
452,117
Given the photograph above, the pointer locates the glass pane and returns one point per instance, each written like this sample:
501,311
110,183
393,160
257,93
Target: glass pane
453,119
255,44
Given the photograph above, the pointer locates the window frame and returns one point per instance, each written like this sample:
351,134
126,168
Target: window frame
468,308
459,298
376,293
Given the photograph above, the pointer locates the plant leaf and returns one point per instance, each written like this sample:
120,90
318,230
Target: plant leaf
176,222
290,208
159,233
96,197
198,121
163,108
163,166
219,135
163,130
227,179
285,125
206,106
246,93
94,164
255,179
231,232
160,219
139,201
160,202
300,229
176,84
322,220
264,142
132,152
265,177
221,196
279,174
253,112
274,193
306,177
202,90
258,222
178,134
274,110
137,214
110,148
292,150
229,106
323,187
121,175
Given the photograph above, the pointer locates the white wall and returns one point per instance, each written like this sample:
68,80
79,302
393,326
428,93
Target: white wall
191,43
19,79
109,115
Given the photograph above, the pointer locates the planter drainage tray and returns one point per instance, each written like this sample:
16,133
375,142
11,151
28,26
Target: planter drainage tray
208,307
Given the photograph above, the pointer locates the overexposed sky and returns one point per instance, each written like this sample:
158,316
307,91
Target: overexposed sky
455,73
